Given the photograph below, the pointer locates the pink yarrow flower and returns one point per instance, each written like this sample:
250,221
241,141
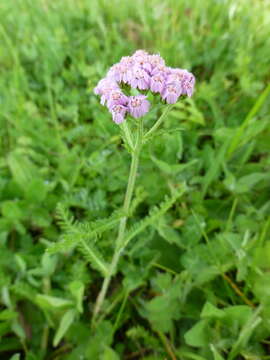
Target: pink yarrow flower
138,105
140,79
171,93
127,60
142,61
104,88
117,98
160,69
176,75
185,80
188,83
120,72
105,84
118,113
144,72
140,53
156,60
157,83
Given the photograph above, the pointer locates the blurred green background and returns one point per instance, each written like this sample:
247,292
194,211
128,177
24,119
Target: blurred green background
196,283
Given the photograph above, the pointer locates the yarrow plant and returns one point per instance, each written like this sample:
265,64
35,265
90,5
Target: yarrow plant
124,91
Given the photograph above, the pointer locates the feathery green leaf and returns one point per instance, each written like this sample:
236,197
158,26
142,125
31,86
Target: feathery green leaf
154,215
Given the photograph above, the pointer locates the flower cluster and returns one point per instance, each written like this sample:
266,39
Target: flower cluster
144,72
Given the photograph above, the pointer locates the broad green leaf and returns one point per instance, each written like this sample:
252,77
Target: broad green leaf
22,169
11,210
64,325
109,354
253,111
210,311
11,344
262,256
18,329
190,355
172,168
48,263
101,339
15,357
217,356
246,183
261,287
21,263
4,328
168,300
52,302
8,314
248,328
213,171
77,290
162,321
36,190
198,335
237,315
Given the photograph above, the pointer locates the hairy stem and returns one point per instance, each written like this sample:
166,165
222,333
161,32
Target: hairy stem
123,221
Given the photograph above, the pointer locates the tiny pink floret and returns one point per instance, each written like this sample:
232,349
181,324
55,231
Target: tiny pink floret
118,113
138,106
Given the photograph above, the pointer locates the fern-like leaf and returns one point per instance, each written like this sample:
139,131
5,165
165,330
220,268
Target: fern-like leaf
93,256
154,215
96,228
72,231
79,235
139,332
139,197
64,220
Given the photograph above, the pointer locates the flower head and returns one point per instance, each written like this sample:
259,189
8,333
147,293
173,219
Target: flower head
138,105
141,71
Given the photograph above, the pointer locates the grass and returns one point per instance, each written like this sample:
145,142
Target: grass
194,283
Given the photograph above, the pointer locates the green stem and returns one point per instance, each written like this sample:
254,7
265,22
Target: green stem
46,329
123,221
120,241
158,122
167,345
120,312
